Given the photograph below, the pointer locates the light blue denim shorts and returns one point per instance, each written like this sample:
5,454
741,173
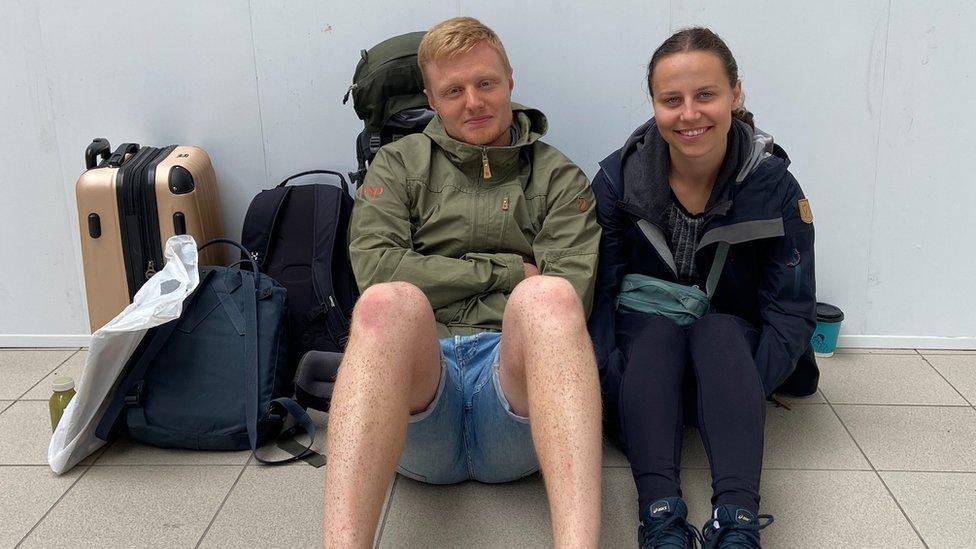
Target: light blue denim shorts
469,430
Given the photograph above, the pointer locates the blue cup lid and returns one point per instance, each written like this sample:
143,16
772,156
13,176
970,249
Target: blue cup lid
826,311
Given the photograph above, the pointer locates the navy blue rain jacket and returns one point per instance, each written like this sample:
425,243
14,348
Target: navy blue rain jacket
768,278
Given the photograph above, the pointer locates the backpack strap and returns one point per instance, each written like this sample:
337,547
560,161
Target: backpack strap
367,145
130,389
261,222
133,381
251,363
327,212
715,272
251,378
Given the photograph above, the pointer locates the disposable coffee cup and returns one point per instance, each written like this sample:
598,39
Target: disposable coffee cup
824,338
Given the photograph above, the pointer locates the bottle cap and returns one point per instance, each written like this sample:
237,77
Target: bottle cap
63,383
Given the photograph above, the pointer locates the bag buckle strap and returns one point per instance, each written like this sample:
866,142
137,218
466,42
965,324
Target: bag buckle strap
313,314
375,142
134,397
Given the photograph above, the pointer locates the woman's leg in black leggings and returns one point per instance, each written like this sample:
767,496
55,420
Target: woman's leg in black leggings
731,406
650,404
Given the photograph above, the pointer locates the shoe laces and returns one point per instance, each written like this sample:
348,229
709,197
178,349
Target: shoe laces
672,530
735,534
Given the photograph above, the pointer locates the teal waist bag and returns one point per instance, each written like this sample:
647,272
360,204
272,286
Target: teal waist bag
681,304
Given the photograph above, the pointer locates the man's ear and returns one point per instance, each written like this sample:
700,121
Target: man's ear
430,100
511,82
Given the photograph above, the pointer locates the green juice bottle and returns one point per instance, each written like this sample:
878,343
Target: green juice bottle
64,389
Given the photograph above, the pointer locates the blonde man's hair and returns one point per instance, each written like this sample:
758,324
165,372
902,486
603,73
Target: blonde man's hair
456,36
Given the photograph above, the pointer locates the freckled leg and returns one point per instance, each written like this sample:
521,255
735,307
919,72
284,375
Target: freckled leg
548,373
391,369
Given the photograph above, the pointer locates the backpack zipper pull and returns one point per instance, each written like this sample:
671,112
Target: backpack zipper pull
345,98
505,204
485,168
150,269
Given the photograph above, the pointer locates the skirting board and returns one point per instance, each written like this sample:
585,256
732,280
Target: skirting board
43,340
844,341
906,342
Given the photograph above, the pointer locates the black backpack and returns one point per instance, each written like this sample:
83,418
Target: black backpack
388,95
298,235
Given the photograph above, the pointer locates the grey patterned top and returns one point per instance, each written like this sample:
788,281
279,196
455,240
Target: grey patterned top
685,231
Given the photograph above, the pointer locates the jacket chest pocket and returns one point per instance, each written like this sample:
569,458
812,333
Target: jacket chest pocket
516,220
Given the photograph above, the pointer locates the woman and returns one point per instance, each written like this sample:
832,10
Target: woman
695,182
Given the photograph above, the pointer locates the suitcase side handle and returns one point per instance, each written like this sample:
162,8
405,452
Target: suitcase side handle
118,157
99,147
342,180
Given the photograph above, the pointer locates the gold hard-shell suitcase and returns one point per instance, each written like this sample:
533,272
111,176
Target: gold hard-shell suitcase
129,203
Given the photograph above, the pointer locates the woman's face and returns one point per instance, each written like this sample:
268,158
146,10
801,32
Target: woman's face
693,104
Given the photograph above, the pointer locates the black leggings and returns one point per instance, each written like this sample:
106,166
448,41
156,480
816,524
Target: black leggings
667,367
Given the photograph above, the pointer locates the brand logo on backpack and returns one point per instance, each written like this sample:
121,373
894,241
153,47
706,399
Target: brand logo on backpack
372,192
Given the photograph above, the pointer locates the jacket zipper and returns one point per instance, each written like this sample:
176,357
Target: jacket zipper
485,168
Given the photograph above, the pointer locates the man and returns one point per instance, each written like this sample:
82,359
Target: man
475,246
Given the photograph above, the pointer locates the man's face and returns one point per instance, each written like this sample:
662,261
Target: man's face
472,93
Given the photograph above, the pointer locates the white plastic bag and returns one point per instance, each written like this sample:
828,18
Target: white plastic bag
158,301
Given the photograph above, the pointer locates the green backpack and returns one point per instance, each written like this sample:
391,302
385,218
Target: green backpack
388,96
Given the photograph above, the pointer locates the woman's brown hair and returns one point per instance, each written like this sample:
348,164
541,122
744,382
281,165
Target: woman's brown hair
700,39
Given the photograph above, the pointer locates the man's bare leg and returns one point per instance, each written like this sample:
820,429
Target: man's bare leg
548,372
390,370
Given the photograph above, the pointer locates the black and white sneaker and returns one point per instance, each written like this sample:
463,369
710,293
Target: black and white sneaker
664,525
733,527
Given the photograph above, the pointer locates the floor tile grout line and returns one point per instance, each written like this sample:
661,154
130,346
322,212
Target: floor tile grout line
386,512
945,378
168,465
53,505
60,364
903,405
900,508
220,507
876,473
927,471
794,469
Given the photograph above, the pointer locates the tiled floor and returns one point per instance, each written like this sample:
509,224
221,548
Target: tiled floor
883,456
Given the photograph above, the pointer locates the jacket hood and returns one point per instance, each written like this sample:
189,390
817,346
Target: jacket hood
529,124
642,165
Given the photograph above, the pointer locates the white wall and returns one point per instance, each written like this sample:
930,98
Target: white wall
871,99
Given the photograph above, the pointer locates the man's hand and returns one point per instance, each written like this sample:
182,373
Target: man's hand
530,269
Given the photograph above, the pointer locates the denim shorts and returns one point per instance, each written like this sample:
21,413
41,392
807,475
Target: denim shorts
469,430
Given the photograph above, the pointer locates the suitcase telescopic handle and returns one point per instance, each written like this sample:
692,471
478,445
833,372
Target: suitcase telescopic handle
342,180
99,148
118,157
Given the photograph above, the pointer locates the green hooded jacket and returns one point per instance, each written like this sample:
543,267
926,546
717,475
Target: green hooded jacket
428,215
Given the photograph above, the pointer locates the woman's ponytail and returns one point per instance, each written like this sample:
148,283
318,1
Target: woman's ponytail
744,115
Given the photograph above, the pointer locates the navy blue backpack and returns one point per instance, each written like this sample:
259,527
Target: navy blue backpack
298,235
217,378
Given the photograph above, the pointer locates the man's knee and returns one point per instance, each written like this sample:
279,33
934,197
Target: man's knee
548,299
384,307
